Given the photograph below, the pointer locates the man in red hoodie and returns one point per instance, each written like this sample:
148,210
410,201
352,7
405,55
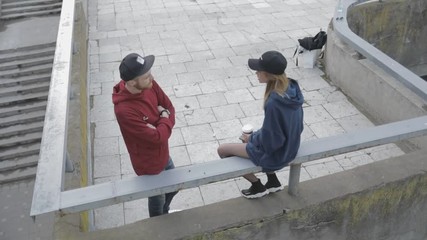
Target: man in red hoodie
146,117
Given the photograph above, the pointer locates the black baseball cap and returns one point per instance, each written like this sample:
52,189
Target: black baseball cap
272,62
134,65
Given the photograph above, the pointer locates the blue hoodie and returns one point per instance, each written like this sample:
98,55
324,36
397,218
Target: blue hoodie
277,142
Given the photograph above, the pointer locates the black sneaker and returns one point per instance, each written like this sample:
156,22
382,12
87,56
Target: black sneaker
273,185
257,190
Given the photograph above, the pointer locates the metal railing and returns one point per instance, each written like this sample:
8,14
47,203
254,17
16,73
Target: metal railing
51,165
392,67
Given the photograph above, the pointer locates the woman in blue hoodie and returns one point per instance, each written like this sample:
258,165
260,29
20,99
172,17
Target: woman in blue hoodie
277,142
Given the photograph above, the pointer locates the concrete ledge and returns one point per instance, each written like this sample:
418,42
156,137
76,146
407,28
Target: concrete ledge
336,206
375,92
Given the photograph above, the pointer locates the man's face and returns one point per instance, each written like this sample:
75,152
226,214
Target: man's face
144,81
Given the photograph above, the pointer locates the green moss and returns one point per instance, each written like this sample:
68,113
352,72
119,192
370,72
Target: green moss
352,210
355,208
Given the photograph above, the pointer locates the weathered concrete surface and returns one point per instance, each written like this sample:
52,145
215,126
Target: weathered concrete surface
382,200
382,97
28,32
401,36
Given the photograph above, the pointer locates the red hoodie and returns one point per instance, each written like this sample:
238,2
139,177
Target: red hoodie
148,148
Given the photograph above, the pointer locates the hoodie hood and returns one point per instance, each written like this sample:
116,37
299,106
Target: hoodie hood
121,94
292,97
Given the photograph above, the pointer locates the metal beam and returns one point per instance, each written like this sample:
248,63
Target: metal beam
51,164
110,193
363,138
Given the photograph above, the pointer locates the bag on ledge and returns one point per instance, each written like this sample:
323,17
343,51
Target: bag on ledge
309,49
316,42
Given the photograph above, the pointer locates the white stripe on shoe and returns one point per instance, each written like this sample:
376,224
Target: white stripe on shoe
275,189
258,195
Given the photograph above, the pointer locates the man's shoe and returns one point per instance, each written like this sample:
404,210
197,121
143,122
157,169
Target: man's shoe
273,186
255,191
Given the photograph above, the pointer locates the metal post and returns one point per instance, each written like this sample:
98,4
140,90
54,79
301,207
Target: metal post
294,174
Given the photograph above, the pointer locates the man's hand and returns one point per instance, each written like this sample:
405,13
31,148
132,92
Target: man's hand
160,108
163,111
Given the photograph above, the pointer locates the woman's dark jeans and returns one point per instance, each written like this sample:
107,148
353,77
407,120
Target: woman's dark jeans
159,205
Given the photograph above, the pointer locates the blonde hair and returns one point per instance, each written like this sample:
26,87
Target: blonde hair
277,83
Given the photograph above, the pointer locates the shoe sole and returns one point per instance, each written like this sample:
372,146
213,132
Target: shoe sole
275,189
258,195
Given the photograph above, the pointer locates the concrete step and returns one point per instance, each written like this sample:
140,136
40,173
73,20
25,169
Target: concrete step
25,80
30,14
28,62
19,151
18,54
45,68
20,129
28,107
15,163
18,174
40,6
25,89
21,139
22,118
28,50
17,4
21,98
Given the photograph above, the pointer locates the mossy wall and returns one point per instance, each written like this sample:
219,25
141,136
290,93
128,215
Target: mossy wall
396,27
394,211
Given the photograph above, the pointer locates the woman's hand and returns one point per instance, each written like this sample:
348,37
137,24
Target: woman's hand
245,137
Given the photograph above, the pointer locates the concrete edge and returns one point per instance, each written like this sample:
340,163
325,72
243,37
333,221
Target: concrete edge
240,211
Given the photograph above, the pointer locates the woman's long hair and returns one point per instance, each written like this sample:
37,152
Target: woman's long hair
277,83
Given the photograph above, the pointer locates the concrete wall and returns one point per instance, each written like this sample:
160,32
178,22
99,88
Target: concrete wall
383,200
78,139
401,36
375,92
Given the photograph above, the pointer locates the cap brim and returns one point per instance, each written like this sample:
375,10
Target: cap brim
254,64
148,63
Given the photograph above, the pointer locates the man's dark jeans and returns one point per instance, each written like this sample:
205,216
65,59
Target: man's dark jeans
159,205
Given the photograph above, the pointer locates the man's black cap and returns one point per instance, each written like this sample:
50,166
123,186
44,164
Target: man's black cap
272,62
134,65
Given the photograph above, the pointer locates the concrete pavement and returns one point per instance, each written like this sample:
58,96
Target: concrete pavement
201,49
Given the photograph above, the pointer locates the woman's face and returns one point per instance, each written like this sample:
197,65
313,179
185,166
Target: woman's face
262,76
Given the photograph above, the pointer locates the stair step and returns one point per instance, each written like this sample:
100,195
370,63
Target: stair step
22,118
30,14
18,174
25,89
16,163
11,110
20,129
45,68
25,80
27,54
34,49
20,151
13,100
28,62
31,8
20,139
16,4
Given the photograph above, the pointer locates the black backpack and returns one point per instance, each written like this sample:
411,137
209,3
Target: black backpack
316,42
